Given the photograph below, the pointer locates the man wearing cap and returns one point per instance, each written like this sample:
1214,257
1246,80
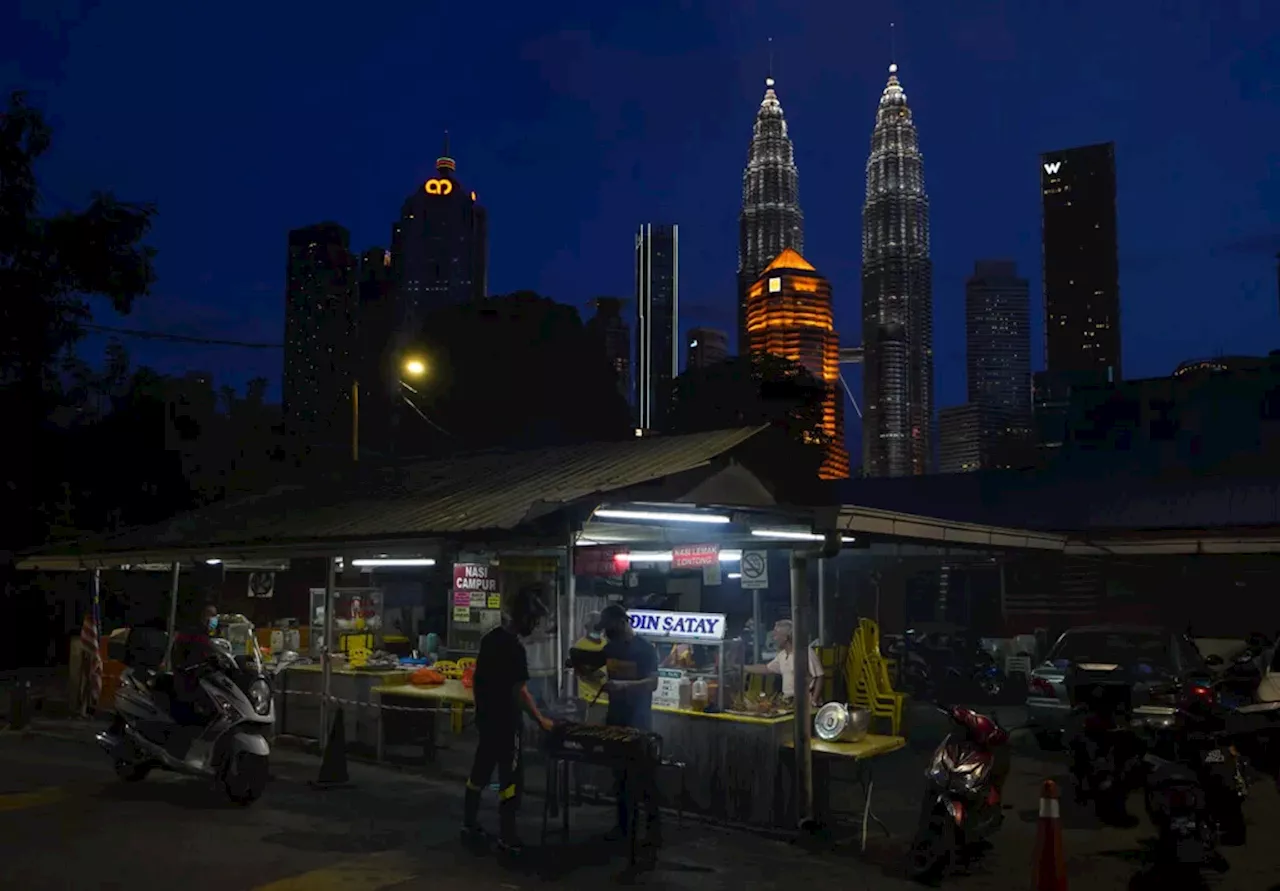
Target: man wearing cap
632,667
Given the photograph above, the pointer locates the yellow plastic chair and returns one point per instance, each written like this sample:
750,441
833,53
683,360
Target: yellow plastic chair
449,669
466,662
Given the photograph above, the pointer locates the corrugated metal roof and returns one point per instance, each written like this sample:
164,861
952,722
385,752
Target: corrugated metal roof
466,494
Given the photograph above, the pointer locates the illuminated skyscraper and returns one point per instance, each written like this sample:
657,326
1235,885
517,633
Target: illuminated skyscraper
657,322
897,297
789,315
1081,261
771,220
439,248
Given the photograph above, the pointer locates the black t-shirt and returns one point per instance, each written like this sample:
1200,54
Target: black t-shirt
630,660
501,669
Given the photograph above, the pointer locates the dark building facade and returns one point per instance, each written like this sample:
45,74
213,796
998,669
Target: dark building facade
320,336
657,322
960,439
611,335
707,347
1081,265
998,360
771,220
790,315
897,297
1209,415
439,248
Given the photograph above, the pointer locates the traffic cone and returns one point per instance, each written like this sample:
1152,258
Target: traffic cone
333,764
1049,868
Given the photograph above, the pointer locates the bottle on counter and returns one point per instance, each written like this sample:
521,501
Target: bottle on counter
701,695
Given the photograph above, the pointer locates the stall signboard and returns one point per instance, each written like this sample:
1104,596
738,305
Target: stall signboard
693,627
462,615
695,556
668,692
473,585
598,561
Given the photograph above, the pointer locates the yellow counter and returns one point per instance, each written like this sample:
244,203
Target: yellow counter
869,746
718,716
386,675
449,691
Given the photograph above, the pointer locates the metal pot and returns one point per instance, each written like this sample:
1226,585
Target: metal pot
838,722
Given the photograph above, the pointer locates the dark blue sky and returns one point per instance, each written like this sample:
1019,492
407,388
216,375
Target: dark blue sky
574,121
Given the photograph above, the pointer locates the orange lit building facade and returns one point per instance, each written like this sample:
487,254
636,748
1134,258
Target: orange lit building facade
789,315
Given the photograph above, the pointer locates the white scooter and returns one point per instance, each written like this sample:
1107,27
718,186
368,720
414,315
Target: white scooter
231,749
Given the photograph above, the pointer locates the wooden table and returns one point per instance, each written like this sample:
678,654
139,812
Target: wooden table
860,754
451,692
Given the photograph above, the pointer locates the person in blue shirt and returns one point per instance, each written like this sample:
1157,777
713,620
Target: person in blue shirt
631,665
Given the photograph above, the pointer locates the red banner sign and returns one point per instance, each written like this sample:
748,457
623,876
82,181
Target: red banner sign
600,560
695,556
473,584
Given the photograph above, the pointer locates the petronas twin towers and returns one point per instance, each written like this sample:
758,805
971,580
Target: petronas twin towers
897,276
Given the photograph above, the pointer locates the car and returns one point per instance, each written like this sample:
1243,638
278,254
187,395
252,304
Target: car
1048,701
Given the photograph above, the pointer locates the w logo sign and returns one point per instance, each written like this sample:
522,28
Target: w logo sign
1052,167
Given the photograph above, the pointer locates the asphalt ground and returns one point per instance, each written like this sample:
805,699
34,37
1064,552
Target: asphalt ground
66,822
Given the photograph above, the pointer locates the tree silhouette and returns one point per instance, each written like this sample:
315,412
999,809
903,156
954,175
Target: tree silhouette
758,390
515,371
48,264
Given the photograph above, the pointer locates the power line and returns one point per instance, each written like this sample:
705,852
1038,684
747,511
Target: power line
181,338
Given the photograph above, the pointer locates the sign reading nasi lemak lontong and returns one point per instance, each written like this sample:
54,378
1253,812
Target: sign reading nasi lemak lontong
705,627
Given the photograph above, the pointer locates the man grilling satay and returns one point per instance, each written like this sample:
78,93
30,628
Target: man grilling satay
631,665
502,693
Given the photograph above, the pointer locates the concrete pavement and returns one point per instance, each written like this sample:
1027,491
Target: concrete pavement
66,822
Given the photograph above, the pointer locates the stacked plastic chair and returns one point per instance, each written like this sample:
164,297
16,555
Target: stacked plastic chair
453,671
867,677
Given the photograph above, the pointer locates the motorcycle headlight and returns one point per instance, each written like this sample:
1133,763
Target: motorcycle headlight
260,696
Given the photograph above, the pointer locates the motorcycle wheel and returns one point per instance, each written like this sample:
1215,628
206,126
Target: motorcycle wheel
131,771
245,778
932,850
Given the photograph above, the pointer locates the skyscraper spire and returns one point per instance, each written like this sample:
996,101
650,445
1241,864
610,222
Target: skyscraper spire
771,220
897,296
445,161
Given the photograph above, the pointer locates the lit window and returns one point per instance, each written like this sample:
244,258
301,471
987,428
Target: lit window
775,285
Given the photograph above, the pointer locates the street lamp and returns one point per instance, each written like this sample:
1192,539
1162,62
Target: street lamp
413,367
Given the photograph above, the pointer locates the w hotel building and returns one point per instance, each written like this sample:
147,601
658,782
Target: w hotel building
789,315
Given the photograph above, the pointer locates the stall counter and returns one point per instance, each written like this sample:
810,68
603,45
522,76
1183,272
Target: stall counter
734,768
298,690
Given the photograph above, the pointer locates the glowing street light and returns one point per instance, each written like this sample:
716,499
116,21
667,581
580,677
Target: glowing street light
415,367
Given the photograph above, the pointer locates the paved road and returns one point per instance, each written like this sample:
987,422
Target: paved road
65,822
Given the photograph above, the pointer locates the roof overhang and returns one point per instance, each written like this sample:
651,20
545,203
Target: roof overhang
891,524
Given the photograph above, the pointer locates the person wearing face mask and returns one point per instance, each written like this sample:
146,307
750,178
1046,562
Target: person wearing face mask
784,663
631,664
502,694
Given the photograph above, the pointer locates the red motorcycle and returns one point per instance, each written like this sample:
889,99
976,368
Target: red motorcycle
962,806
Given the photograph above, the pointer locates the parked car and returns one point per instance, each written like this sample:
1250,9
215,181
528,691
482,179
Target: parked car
1155,651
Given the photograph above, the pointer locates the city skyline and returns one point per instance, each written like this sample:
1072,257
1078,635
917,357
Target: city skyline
1209,236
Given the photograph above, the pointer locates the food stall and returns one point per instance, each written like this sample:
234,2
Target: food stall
732,748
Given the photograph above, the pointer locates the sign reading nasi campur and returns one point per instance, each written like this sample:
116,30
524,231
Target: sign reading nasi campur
684,626
439,186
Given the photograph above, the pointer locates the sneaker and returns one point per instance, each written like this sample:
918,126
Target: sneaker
511,848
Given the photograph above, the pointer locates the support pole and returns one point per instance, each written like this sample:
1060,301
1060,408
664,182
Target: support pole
326,653
565,681
355,421
755,623
173,615
803,722
822,602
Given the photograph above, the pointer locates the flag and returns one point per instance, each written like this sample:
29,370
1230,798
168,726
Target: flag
93,655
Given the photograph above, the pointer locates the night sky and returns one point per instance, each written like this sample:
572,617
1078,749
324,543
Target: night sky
575,121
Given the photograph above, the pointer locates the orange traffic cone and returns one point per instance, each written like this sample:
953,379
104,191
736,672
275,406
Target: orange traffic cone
1049,868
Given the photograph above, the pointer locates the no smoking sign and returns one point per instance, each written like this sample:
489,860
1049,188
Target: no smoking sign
755,569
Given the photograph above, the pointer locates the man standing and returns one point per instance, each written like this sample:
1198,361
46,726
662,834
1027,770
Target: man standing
632,667
502,693
784,663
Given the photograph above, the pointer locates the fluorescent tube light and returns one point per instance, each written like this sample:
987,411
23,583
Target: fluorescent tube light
394,561
660,516
793,535
665,557
214,561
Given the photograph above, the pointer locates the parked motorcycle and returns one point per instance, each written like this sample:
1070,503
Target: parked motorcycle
962,807
230,748
1106,751
946,664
